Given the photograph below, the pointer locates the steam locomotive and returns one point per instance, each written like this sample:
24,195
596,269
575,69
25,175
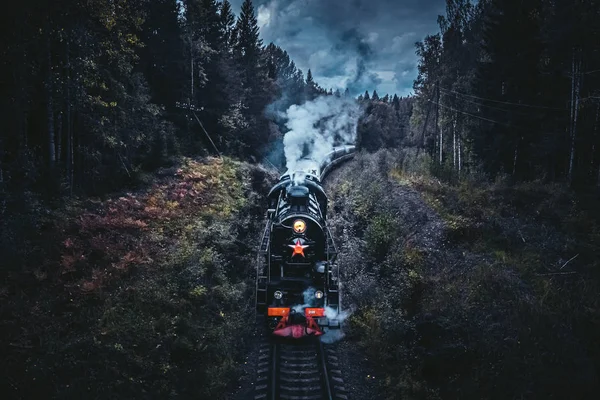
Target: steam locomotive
298,285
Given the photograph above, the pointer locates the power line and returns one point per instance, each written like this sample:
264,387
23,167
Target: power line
476,116
504,102
207,135
492,107
273,165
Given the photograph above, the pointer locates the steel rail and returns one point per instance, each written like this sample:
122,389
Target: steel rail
298,371
327,393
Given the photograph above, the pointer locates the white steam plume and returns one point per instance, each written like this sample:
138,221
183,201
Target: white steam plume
317,126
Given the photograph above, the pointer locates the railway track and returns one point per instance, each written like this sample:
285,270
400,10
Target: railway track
298,371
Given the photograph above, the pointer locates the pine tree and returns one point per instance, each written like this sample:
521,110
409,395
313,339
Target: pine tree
227,24
366,96
248,44
254,78
375,96
309,79
396,102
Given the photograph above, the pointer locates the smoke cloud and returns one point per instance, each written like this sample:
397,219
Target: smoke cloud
317,126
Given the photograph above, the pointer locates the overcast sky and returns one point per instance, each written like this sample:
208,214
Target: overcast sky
360,44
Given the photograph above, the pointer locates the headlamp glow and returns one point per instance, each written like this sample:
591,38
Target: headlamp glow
299,226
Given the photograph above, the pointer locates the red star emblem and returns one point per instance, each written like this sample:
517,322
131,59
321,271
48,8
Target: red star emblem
298,248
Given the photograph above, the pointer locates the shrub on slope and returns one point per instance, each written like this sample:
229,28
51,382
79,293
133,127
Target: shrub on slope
147,294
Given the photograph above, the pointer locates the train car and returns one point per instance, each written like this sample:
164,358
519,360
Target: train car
298,286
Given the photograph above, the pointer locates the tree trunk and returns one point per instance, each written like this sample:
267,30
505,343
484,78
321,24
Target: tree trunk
515,158
187,116
441,145
424,128
595,141
437,114
459,155
575,83
19,114
454,142
59,132
191,69
1,160
68,122
49,105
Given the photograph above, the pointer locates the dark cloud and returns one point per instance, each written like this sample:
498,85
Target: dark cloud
359,44
353,42
353,38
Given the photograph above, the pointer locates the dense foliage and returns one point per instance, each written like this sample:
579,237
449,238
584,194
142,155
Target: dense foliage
513,86
385,122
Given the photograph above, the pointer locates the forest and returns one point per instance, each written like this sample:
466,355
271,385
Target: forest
140,138
511,87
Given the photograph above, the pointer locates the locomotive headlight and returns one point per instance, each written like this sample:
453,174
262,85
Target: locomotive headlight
319,294
278,295
299,226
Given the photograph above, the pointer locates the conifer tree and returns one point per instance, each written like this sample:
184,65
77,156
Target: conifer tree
309,79
396,102
227,24
248,43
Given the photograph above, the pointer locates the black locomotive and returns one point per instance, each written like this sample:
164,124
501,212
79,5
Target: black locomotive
298,286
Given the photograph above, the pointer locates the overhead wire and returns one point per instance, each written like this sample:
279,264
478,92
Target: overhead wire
492,107
476,116
502,102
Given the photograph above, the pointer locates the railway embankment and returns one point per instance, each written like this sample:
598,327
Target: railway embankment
471,289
